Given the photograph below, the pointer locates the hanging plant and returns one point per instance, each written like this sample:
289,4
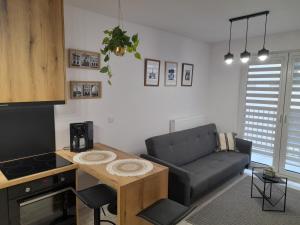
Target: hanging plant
118,42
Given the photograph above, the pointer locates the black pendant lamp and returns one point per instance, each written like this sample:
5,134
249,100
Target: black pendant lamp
245,55
263,54
229,56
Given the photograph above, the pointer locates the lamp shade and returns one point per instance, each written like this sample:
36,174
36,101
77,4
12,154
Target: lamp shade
245,56
228,58
263,54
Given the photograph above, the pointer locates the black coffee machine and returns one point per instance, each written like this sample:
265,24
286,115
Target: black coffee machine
81,136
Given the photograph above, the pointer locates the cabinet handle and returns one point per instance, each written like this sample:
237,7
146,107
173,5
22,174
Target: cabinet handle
27,190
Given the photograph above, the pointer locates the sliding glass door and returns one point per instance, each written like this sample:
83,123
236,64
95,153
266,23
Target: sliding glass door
290,144
271,118
264,106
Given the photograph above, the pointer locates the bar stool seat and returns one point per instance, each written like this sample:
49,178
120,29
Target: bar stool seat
95,197
165,212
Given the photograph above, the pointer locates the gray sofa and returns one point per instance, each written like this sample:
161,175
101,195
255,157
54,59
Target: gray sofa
195,166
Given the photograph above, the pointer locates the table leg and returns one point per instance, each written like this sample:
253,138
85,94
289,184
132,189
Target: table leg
136,196
252,184
285,195
264,195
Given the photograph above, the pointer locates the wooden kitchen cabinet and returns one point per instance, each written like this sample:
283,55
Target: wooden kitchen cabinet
32,59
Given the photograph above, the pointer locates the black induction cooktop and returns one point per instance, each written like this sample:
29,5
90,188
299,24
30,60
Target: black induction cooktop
31,165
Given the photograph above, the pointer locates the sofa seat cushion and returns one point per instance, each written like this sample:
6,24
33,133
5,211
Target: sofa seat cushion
208,171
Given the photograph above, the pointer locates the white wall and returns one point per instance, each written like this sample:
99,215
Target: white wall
224,81
138,112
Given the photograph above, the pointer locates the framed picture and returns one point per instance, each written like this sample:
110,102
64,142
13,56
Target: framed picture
85,89
152,72
171,73
84,59
187,74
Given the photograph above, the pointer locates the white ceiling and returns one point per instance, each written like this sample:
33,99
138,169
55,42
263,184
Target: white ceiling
205,20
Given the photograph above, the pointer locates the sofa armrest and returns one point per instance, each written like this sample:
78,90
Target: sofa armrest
244,146
181,173
179,180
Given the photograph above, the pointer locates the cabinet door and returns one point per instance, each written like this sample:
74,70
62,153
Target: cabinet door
31,51
3,207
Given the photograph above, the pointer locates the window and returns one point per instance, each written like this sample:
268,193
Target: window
271,112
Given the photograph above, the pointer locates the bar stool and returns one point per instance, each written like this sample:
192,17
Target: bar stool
95,197
165,212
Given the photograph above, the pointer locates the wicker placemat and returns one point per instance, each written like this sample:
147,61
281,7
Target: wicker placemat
95,157
129,167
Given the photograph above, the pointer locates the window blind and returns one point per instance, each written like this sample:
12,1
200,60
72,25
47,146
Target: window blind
261,107
293,124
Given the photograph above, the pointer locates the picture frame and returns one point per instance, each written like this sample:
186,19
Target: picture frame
187,74
152,72
84,59
171,71
85,89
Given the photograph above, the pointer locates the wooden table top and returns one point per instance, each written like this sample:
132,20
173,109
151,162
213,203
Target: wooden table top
99,171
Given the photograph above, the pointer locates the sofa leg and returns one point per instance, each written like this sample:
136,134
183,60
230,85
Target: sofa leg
242,172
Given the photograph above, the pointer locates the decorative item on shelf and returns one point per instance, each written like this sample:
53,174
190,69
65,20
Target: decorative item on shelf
118,42
245,56
171,69
152,72
85,89
187,74
269,172
84,59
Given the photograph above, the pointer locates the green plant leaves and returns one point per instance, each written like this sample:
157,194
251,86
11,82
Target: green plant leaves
104,69
105,41
106,59
137,55
135,38
116,37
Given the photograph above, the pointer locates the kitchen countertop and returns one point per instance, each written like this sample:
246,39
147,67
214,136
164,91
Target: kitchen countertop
134,193
99,171
112,180
4,183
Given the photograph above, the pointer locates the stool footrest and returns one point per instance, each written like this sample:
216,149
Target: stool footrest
165,212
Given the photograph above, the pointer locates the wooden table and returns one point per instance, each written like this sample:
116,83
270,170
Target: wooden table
134,193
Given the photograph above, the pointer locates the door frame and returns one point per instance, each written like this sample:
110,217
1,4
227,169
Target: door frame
293,56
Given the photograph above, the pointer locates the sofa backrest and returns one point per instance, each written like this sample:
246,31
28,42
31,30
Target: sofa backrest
184,146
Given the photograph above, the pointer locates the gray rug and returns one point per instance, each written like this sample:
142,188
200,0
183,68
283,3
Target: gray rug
235,207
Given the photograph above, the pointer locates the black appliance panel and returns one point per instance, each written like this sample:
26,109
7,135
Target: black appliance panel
4,207
53,203
31,165
26,131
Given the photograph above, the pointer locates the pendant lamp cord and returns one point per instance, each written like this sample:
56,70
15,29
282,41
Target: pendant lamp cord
266,21
120,15
230,36
247,34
